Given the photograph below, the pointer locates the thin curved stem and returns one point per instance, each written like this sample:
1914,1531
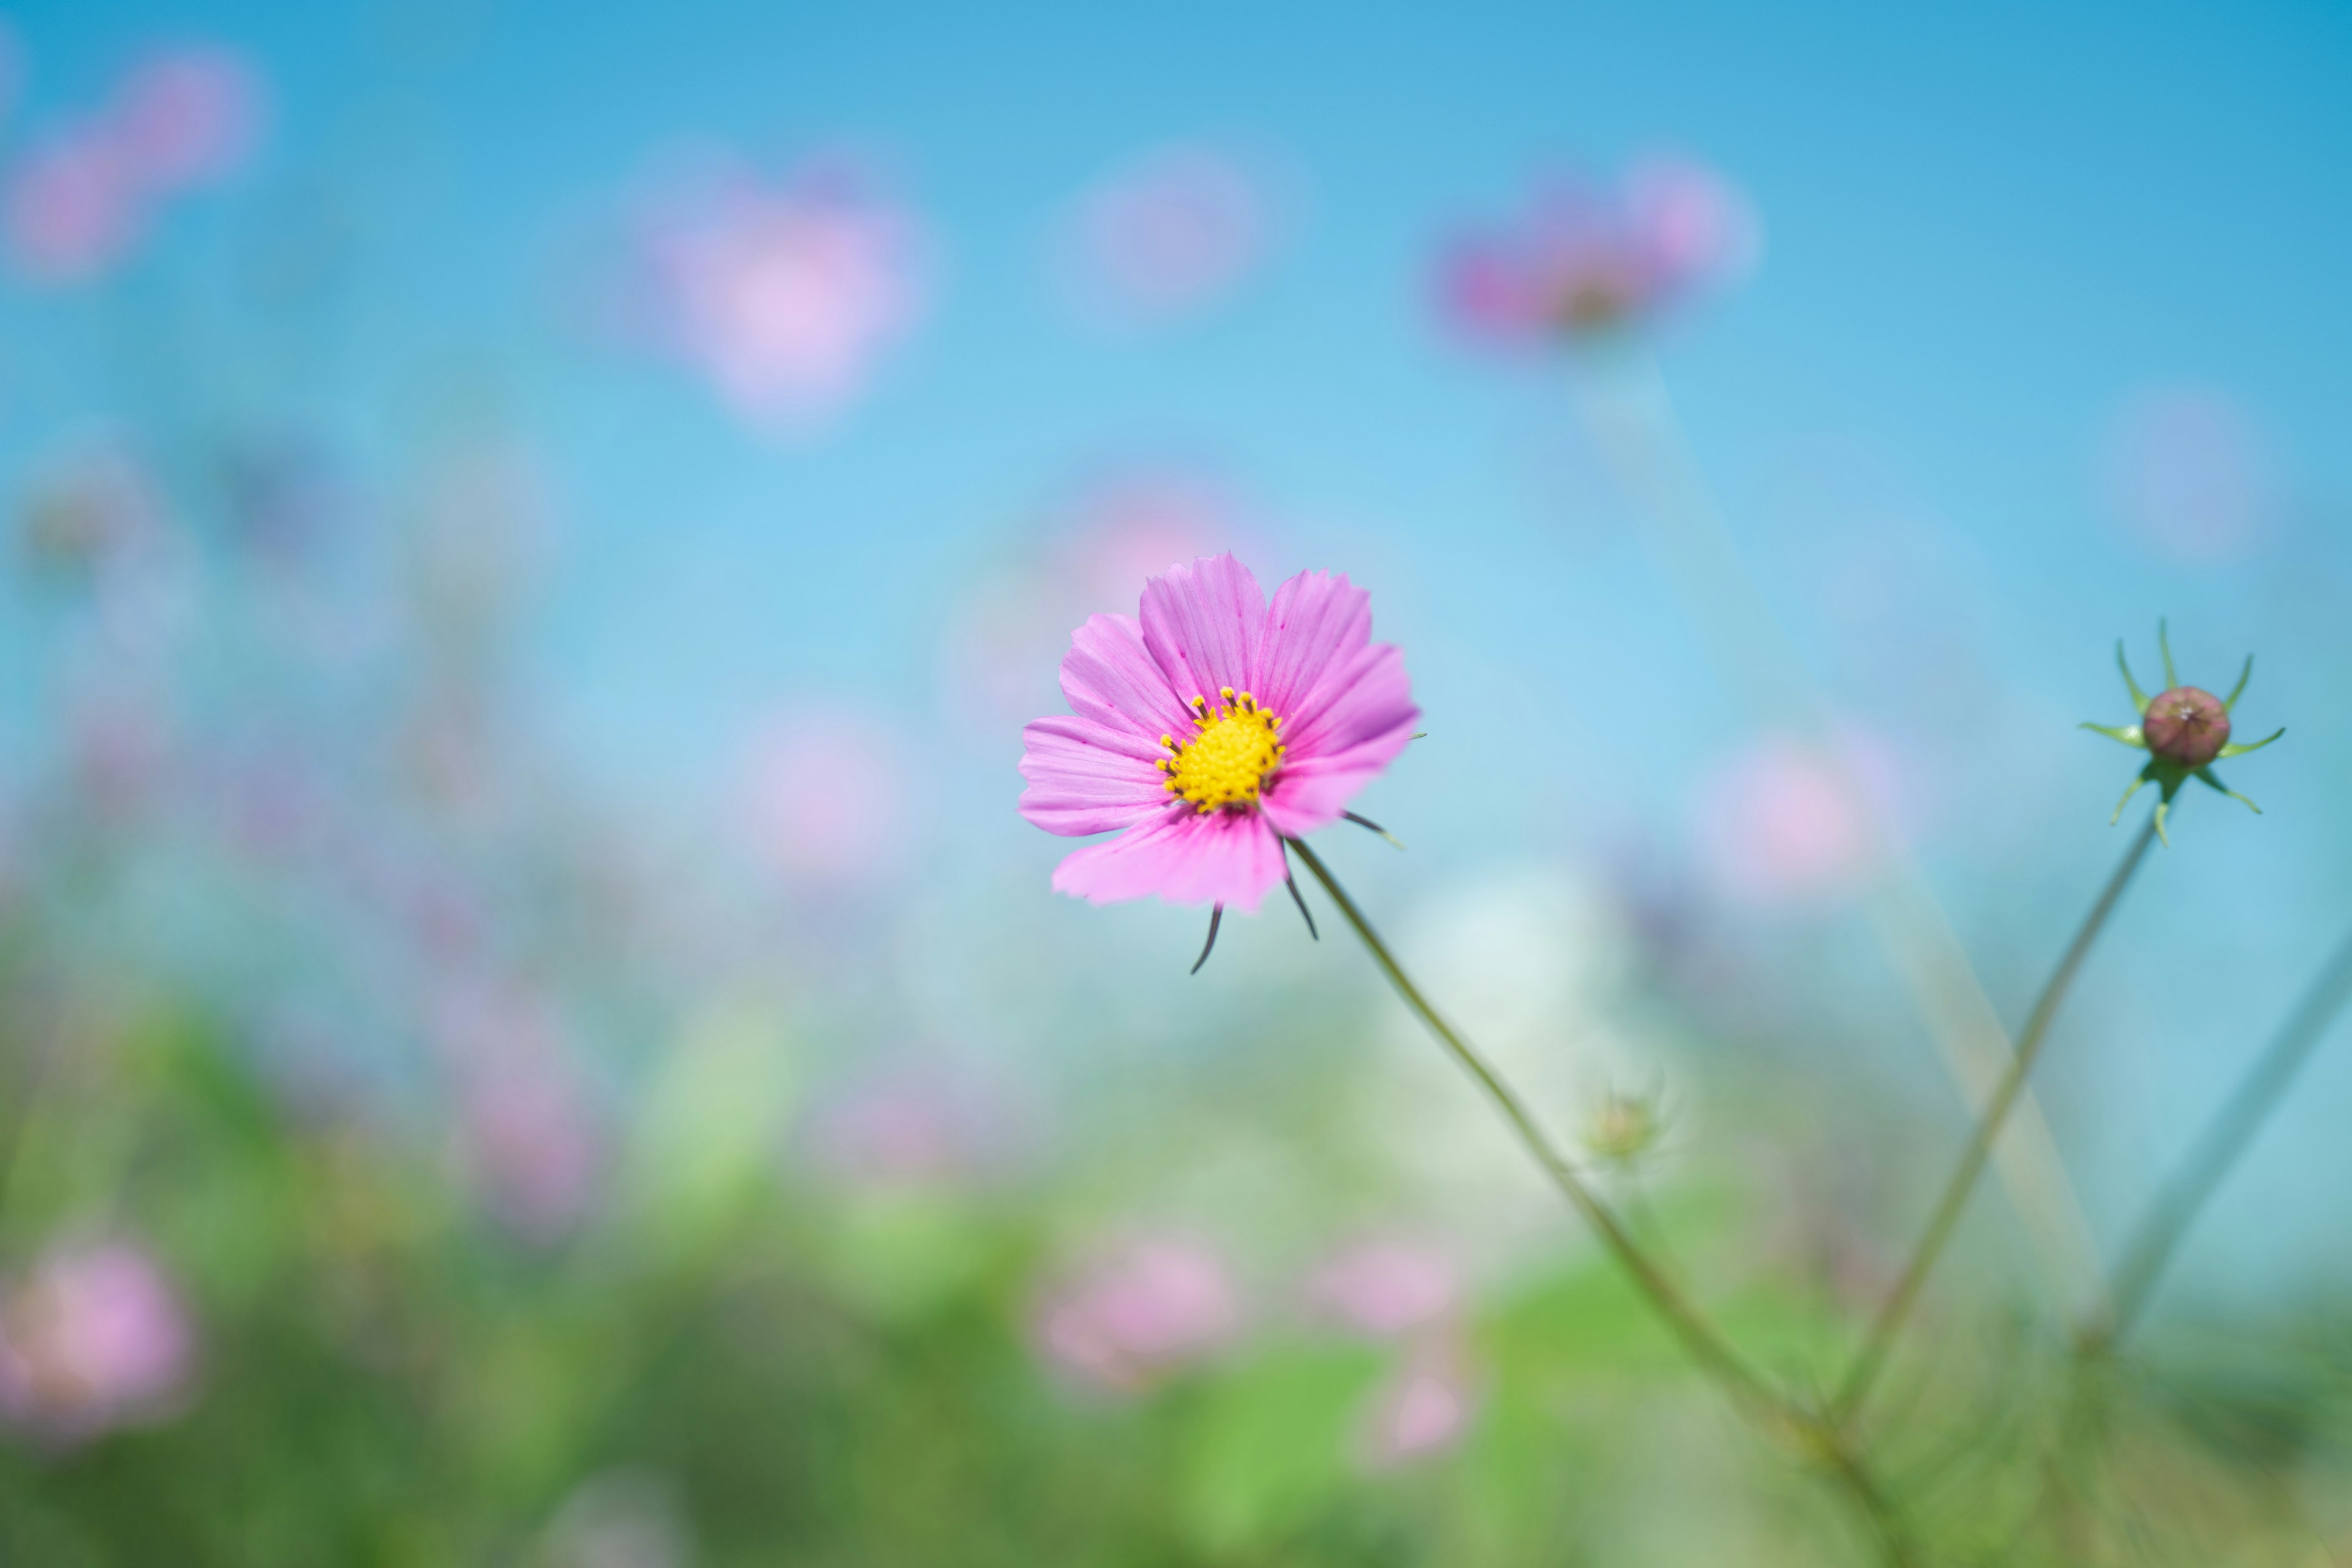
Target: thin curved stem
1705,1344
1872,1358
1628,413
1754,1398
2177,1204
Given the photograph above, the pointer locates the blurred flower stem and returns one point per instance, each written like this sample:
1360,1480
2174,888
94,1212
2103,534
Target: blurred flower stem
1872,1358
1772,1411
1624,403
2225,1138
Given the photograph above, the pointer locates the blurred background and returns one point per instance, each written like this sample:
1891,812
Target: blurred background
531,1032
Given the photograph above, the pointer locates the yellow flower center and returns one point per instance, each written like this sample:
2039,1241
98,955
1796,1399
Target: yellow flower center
1230,761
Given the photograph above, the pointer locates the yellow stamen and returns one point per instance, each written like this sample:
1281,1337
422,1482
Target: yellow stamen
1230,762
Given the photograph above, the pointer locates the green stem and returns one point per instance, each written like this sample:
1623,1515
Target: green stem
1871,1358
2176,1207
1706,1346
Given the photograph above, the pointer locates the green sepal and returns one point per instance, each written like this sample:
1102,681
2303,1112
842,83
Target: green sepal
2236,750
2130,737
2139,698
2164,646
2240,690
2206,776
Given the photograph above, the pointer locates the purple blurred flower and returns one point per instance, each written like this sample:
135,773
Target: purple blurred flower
1170,233
785,294
78,203
529,1136
1586,259
73,206
186,117
1139,1312
1425,1408
94,1337
1386,1287
828,796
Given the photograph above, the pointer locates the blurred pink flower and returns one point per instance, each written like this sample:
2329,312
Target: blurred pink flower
1122,528
73,206
1139,1312
185,117
1170,233
786,295
826,795
1425,1408
1386,1287
910,1127
2187,473
528,1134
94,1337
1586,259
78,203
1783,822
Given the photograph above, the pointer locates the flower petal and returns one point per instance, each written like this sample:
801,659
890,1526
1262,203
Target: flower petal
1229,858
1366,702
1202,624
1317,623
1085,777
1110,677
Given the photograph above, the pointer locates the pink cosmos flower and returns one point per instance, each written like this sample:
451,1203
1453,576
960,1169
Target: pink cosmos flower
1587,259
1140,1313
94,1337
1211,728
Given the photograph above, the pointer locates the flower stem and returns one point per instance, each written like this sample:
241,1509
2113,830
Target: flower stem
2176,1207
1771,1411
1705,1344
1871,1358
1629,414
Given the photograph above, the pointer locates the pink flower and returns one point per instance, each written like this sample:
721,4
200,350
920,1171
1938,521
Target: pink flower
95,1337
186,117
826,796
786,296
1587,260
1426,1409
1140,1313
526,1131
73,207
1385,1288
1785,822
1172,234
1210,729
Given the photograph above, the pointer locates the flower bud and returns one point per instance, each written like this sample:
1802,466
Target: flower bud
2186,725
